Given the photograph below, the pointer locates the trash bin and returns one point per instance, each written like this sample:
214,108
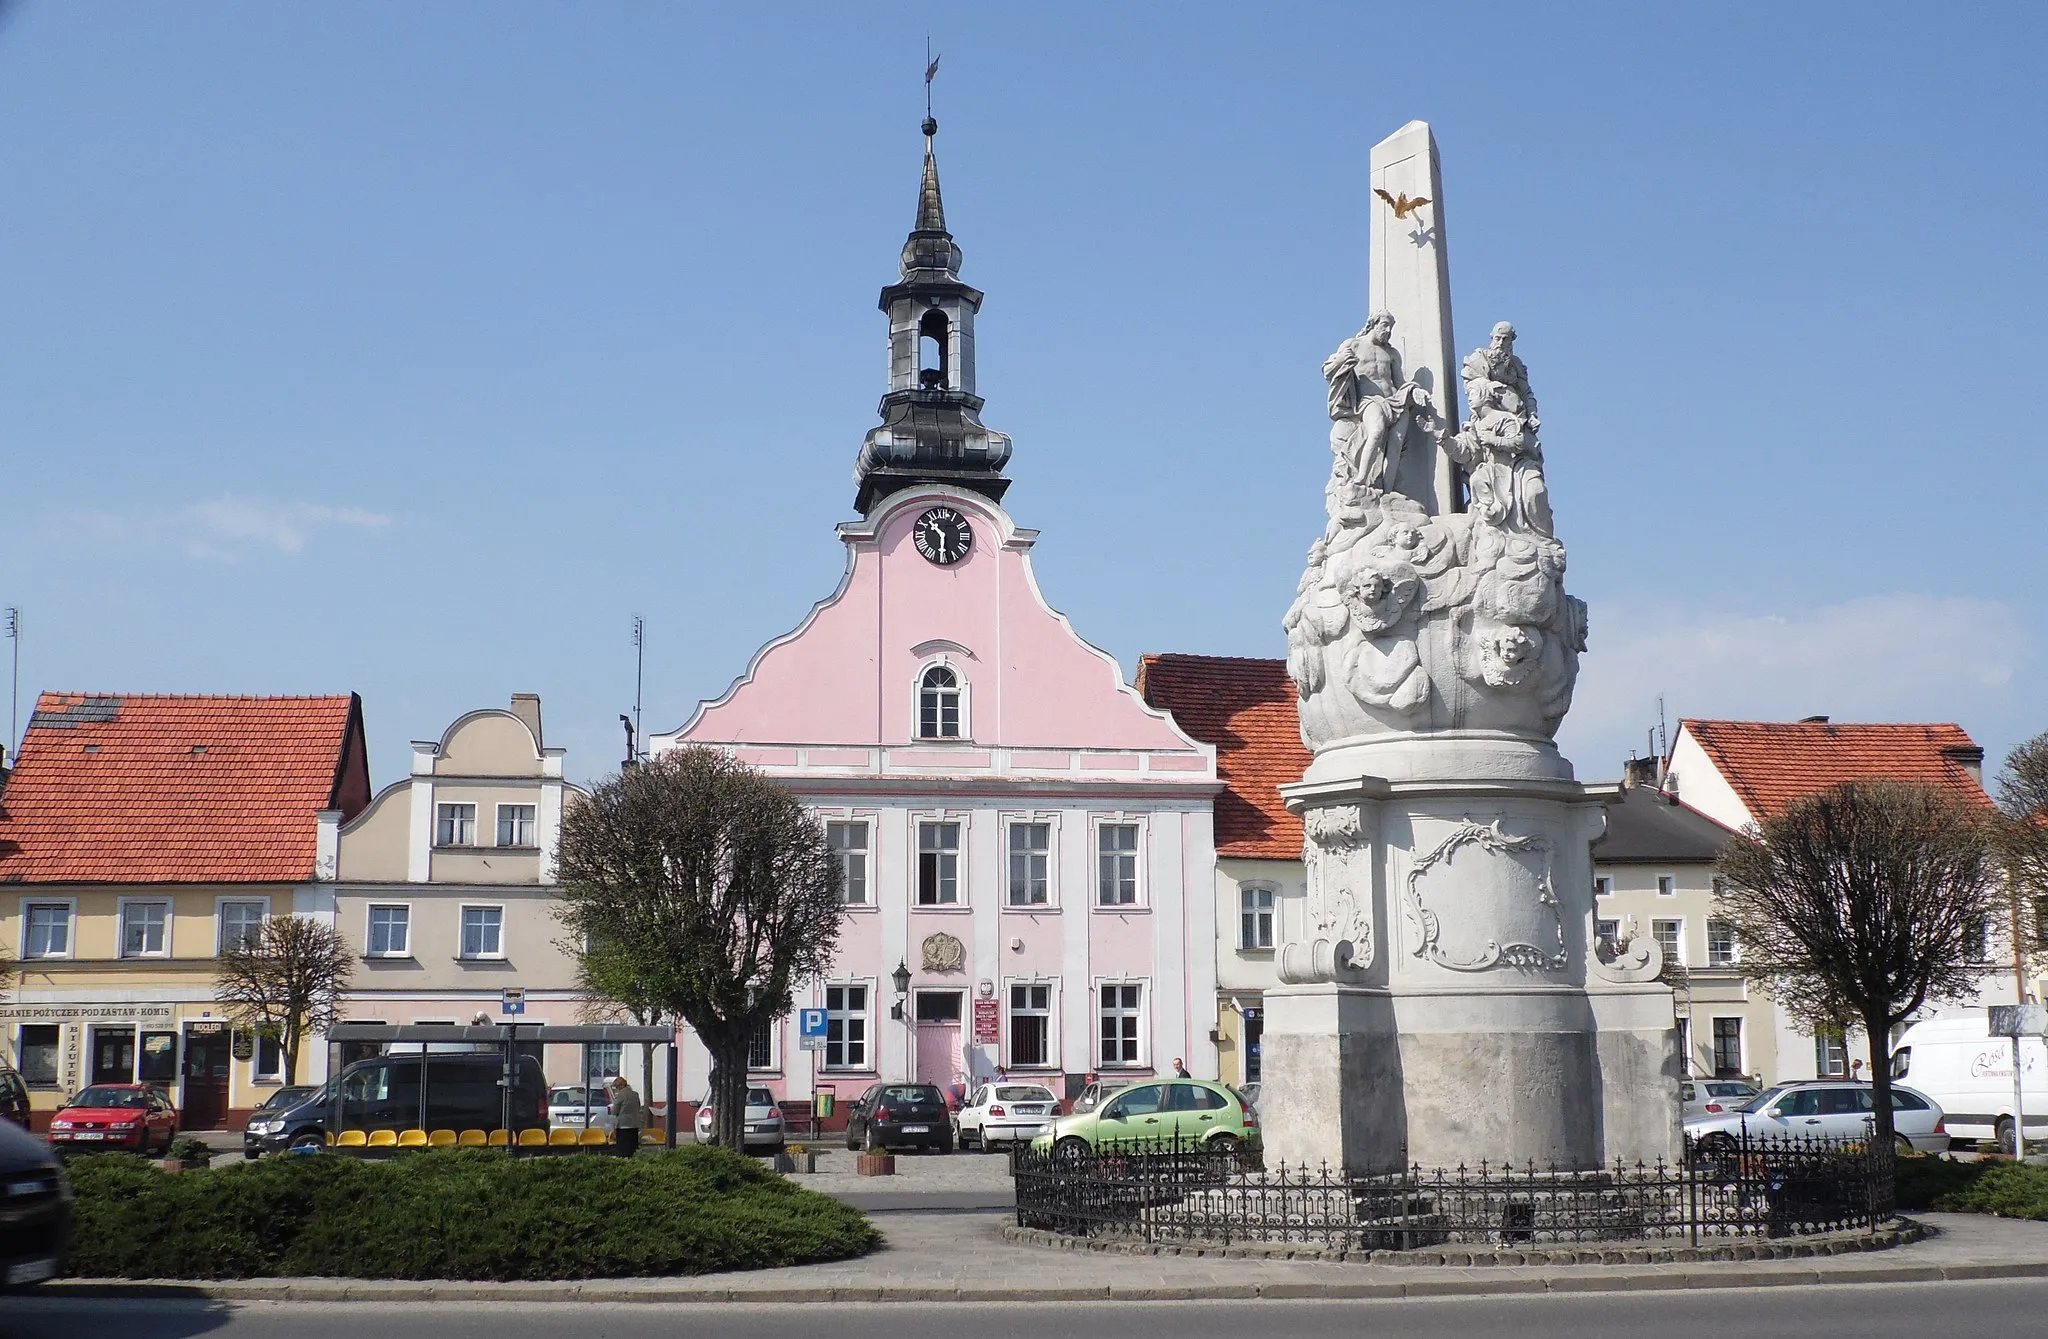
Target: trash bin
821,1106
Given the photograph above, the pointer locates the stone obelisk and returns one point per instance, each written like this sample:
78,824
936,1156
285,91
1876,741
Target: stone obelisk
1444,1001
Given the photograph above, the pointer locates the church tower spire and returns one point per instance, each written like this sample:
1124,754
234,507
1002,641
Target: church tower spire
931,430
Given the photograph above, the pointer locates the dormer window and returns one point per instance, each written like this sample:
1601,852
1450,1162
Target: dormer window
938,703
931,350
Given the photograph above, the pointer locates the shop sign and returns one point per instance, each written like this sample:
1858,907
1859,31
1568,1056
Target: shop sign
245,1046
205,1029
87,1012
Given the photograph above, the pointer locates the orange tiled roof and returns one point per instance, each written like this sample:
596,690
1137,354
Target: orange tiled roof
113,788
1247,709
1771,763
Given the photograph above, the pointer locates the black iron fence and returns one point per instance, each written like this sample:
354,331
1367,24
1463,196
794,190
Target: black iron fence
1728,1187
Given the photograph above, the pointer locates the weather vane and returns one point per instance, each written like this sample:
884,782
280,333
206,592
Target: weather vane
931,70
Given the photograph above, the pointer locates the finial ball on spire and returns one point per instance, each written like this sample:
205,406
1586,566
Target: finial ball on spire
931,127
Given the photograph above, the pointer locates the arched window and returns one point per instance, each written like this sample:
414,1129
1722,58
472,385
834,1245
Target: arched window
932,355
938,704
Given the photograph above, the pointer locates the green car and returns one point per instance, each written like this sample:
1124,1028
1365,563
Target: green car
1193,1112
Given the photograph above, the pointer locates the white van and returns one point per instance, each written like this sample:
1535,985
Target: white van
1968,1072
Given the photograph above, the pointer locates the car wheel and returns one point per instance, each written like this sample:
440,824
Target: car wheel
946,1143
308,1139
1223,1149
1072,1149
2005,1135
1717,1156
1904,1145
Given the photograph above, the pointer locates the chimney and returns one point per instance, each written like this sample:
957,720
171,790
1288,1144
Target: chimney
1639,772
1969,757
526,706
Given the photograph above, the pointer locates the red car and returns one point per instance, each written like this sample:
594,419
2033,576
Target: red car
115,1115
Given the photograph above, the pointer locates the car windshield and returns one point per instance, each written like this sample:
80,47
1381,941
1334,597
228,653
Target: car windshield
1760,1101
1023,1092
286,1097
110,1097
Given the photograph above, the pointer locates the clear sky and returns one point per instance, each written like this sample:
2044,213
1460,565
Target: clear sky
412,349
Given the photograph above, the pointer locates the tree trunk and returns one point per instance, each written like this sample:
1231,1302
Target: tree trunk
729,1097
1877,1030
288,1044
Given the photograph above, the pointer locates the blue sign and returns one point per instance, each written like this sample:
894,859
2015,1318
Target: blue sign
810,1029
513,1001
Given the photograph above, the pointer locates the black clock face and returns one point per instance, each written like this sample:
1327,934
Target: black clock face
943,536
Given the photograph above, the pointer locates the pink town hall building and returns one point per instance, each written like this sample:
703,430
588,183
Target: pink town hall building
1018,830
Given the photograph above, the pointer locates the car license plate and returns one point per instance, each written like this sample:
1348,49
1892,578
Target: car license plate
917,1129
88,1134
31,1271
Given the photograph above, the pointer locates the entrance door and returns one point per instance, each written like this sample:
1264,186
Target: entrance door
1253,1032
208,1057
113,1055
939,1058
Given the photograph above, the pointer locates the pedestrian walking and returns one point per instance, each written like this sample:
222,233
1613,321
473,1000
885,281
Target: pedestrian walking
1180,1071
628,1116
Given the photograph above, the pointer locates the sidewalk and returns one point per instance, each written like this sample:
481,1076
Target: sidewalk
944,1257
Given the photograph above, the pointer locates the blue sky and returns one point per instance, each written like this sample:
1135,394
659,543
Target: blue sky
412,349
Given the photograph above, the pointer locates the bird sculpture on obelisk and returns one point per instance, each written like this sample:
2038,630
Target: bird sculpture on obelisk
1444,1001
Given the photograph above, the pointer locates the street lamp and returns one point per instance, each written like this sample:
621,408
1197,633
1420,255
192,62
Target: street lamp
900,978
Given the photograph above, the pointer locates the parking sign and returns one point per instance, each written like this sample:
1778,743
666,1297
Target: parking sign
810,1029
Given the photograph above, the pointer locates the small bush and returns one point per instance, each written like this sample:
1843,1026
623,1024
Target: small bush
187,1149
455,1214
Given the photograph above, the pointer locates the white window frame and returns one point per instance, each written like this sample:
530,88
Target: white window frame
257,1073
1603,885
462,932
1050,854
1734,955
959,852
220,919
1140,893
1143,1013
1977,949
1051,986
1677,959
774,1065
1251,893
866,1013
121,926
1667,885
440,806
369,935
962,691
594,1072
1607,931
1825,1048
531,823
847,855
70,905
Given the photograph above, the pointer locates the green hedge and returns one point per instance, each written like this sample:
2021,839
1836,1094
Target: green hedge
2004,1189
458,1214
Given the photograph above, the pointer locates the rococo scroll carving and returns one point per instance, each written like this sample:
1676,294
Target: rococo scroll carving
1508,914
1336,857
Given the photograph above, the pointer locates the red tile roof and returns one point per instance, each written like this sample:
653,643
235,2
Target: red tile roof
113,788
1247,709
1771,763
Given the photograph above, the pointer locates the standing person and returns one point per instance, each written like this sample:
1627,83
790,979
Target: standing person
1180,1071
628,1116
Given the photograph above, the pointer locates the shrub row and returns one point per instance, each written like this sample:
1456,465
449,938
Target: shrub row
2004,1189
456,1214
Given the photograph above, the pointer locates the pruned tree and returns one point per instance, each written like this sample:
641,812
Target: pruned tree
704,891
1863,902
285,981
2022,833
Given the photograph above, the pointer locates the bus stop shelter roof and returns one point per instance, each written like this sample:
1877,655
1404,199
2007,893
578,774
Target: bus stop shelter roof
500,1033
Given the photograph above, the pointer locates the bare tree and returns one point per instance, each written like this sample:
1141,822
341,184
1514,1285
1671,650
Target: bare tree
2023,843
1863,901
704,887
284,981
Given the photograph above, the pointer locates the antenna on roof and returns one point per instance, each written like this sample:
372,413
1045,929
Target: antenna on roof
1663,742
633,752
13,629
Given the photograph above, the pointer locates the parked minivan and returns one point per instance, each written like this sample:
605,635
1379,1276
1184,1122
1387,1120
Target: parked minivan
1957,1062
463,1092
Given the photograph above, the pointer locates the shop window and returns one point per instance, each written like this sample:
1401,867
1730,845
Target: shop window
159,1060
35,1050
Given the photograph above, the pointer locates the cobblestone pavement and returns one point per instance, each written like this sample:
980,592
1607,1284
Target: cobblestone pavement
963,1257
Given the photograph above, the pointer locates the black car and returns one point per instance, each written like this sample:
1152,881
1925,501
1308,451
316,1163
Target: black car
900,1115
13,1097
464,1091
35,1210
279,1102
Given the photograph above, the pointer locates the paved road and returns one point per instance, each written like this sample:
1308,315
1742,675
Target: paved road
1990,1310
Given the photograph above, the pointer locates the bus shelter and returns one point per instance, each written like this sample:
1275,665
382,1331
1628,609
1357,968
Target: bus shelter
394,1091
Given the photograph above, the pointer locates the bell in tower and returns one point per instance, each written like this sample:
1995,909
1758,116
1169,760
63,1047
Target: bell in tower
931,430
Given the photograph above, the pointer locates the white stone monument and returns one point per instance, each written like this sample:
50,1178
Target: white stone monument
1445,1002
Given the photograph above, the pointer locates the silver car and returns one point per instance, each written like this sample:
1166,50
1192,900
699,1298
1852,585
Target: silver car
764,1132
574,1107
1713,1097
1831,1109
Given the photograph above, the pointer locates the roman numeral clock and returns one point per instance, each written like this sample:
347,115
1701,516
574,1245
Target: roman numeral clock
943,536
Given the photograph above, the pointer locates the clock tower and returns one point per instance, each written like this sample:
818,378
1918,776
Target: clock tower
931,430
